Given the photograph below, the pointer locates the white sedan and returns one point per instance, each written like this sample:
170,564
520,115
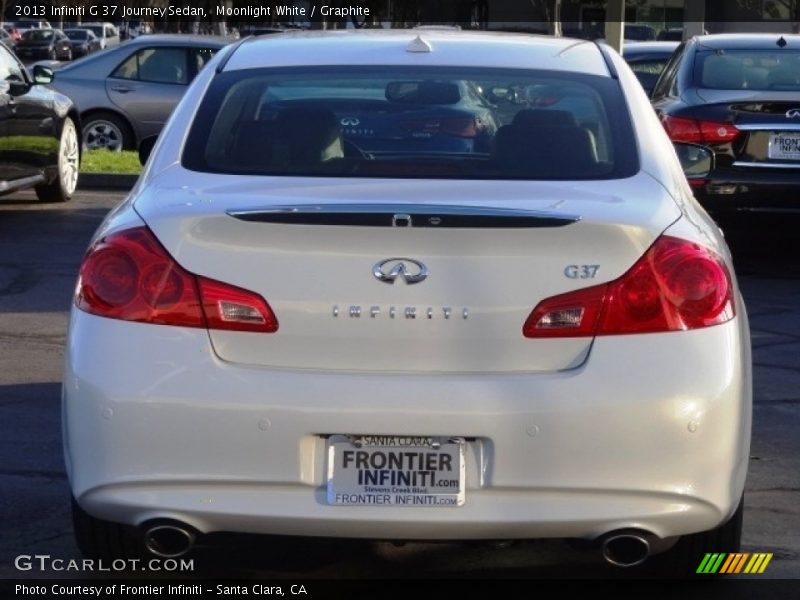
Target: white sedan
319,315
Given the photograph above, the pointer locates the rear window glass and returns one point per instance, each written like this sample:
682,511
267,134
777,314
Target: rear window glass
413,122
761,70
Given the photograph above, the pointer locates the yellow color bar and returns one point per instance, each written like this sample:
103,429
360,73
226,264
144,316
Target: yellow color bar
765,563
755,563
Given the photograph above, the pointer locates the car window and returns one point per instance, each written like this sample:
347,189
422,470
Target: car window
761,70
10,69
667,81
110,31
38,34
651,67
156,65
198,57
413,122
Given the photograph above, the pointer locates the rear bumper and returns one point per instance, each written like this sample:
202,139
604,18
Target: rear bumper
652,432
767,190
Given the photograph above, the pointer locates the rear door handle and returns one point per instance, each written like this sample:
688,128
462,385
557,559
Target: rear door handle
122,89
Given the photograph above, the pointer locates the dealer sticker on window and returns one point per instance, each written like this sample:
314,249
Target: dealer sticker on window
376,470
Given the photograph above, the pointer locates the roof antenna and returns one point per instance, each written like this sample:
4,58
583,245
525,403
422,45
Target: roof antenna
418,45
782,42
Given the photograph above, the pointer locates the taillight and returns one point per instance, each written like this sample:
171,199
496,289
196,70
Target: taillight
683,129
677,285
235,309
697,183
130,276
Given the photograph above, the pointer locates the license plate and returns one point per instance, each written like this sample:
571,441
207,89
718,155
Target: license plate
784,146
377,470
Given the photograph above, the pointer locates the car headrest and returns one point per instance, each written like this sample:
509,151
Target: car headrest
723,73
785,75
308,135
548,151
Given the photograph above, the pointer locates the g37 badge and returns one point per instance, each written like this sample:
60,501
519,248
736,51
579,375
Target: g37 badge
581,271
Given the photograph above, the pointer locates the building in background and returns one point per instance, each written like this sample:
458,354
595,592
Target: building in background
587,18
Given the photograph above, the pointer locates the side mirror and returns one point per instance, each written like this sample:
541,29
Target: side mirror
146,147
697,161
42,75
18,86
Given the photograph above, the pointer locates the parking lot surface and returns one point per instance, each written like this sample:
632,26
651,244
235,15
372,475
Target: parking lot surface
40,249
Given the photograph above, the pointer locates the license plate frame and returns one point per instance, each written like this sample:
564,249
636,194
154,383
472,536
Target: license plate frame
403,485
777,147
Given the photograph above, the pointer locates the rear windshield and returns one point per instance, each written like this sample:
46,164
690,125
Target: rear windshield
760,70
76,34
413,122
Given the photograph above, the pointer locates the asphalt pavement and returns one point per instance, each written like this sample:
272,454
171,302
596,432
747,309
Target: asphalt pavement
40,249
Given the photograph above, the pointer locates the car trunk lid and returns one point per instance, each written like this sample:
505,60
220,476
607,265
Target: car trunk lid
335,259
769,123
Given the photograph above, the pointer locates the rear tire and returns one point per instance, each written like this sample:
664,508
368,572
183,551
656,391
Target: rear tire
100,539
685,557
63,186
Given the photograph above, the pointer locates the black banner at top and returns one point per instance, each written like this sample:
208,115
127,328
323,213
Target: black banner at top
757,15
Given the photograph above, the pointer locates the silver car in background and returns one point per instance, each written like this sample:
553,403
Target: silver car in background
127,93
107,33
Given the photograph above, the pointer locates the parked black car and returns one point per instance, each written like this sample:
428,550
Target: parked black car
39,135
739,94
44,43
673,34
639,33
83,41
648,59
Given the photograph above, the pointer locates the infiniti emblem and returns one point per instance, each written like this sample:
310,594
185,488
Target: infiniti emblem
350,121
412,271
794,113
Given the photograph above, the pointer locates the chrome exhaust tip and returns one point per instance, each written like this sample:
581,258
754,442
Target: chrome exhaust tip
626,549
169,541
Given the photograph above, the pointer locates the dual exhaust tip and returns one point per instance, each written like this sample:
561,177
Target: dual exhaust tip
626,548
621,549
169,540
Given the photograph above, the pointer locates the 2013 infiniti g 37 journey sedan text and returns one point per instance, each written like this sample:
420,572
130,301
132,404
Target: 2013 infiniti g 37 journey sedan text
332,307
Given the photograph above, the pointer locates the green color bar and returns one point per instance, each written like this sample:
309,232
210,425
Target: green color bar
717,564
701,568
